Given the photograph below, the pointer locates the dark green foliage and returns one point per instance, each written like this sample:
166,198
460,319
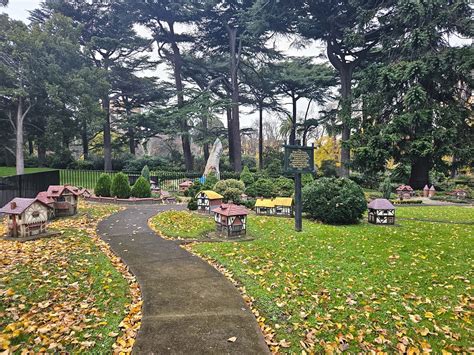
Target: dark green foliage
192,204
102,187
232,194
246,176
261,188
222,185
249,203
283,187
306,179
194,189
334,201
146,173
120,187
328,168
141,188
211,180
386,188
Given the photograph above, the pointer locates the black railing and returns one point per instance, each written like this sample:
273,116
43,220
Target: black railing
26,185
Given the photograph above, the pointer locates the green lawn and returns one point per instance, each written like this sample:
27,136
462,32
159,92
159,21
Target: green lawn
360,287
62,293
182,224
11,170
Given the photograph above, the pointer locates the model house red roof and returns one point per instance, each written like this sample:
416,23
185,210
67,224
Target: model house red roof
18,205
404,188
186,183
381,204
57,190
229,209
43,197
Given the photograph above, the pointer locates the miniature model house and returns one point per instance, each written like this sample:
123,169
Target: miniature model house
26,217
185,185
231,220
381,211
264,206
459,193
426,191
43,197
432,191
65,199
208,200
405,192
283,206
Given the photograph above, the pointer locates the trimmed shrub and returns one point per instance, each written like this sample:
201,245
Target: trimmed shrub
232,194
120,187
146,173
246,176
334,201
194,189
102,187
386,188
192,204
223,185
283,187
262,187
141,188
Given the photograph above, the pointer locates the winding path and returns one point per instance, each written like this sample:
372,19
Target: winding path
188,306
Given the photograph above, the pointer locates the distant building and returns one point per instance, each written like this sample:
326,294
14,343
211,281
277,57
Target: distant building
231,220
26,217
208,200
381,211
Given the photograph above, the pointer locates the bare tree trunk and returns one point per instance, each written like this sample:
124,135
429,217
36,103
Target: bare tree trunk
293,120
205,146
260,136
85,139
230,136
107,135
130,133
235,123
419,175
346,112
177,72
20,161
30,146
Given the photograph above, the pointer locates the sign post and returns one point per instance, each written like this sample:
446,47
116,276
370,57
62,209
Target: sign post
298,160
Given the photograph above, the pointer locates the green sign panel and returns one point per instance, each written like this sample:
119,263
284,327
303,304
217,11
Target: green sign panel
299,159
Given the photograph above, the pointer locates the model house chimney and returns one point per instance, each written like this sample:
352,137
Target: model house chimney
13,205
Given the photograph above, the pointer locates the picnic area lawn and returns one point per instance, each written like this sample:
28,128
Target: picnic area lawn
182,224
357,288
66,293
11,170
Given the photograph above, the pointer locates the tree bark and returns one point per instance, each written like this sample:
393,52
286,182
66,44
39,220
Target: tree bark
260,136
346,111
20,161
205,146
293,119
230,137
177,73
30,146
235,120
130,133
107,135
419,175
41,152
85,139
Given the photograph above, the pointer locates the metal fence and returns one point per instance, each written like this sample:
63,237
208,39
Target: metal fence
166,180
26,185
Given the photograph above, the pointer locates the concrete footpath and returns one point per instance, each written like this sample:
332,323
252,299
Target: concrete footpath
188,306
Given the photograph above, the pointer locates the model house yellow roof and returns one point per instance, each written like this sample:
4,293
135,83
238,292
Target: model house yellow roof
283,201
264,202
211,195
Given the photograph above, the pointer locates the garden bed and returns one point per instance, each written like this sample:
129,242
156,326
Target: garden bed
68,293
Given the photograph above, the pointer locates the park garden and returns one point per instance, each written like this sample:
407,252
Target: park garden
236,177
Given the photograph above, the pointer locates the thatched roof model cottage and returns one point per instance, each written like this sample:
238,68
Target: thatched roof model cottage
208,200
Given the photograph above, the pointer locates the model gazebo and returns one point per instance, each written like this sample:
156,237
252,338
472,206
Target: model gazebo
405,192
208,200
26,217
231,220
381,211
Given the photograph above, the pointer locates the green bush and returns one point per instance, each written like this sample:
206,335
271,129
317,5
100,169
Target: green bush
120,187
283,187
223,185
246,176
306,179
102,187
386,188
211,180
146,173
335,201
328,168
141,188
232,194
192,204
194,189
261,188
249,203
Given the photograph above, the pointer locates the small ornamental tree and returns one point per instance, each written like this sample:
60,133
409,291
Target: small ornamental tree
146,173
141,188
261,188
246,176
223,185
192,204
120,187
211,180
334,201
102,187
283,187
232,194
386,188
194,189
